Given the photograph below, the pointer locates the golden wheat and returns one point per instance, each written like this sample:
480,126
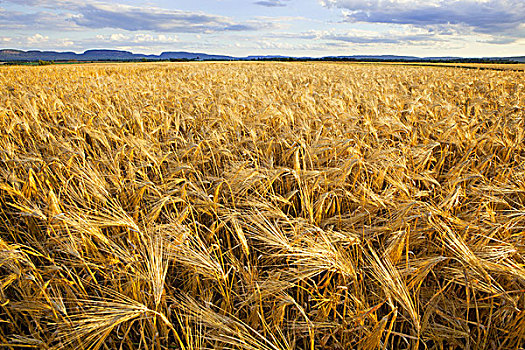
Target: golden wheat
261,206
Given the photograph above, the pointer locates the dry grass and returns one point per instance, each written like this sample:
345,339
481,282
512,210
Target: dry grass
261,206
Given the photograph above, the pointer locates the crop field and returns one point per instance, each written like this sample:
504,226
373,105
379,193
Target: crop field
261,206
516,67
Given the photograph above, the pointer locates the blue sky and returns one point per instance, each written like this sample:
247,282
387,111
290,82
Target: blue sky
267,27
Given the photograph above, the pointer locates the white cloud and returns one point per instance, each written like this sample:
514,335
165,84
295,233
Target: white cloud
37,39
117,37
129,39
404,35
64,43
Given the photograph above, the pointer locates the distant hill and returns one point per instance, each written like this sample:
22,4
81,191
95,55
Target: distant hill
101,55
18,55
517,59
94,55
9,55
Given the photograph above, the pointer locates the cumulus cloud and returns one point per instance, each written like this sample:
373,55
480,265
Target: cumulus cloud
37,39
482,16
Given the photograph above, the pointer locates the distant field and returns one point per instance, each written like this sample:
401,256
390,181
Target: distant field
480,66
262,206
497,66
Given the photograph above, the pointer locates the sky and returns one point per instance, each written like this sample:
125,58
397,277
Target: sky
468,28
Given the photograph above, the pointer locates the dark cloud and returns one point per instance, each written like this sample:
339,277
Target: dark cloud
270,3
99,15
56,4
482,16
15,20
151,19
23,2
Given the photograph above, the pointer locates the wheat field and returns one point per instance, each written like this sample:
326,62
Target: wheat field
261,206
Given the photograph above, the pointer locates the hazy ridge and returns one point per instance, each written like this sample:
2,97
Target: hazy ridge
117,55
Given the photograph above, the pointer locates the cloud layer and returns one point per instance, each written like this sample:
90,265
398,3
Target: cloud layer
271,3
482,16
13,20
151,19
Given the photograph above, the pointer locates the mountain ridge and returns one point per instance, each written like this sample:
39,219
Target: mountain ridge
119,55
